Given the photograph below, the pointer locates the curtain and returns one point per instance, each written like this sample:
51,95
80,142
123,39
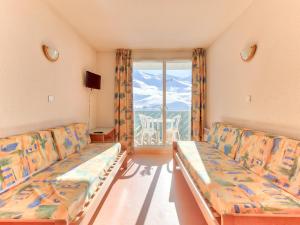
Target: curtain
123,99
198,94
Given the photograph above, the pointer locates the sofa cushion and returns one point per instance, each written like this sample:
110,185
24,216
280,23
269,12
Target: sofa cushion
255,197
231,188
65,140
284,165
44,200
225,137
48,147
61,190
32,151
83,135
13,164
215,133
89,165
254,150
229,140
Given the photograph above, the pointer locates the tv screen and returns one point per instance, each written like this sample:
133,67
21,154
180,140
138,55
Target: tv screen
93,80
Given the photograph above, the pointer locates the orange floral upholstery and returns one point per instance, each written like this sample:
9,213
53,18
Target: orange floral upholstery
35,185
231,188
61,190
83,135
262,174
48,147
66,140
254,150
215,133
229,140
224,137
284,165
43,200
32,151
13,164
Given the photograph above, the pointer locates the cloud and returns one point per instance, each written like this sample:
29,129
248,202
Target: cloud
148,95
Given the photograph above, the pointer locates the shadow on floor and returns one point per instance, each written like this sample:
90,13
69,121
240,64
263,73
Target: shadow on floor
145,167
145,164
144,210
187,210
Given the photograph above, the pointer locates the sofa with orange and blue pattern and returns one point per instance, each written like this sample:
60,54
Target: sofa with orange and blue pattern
51,174
242,171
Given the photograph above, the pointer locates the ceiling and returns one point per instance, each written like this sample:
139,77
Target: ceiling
149,24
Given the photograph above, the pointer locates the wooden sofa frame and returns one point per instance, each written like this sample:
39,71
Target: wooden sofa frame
213,218
85,216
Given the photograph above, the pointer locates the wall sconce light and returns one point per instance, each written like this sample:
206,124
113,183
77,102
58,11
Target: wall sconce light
50,53
248,53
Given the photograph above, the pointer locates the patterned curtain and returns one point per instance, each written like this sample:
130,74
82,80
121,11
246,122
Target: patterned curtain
198,94
123,99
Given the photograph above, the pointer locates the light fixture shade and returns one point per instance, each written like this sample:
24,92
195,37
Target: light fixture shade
248,53
50,53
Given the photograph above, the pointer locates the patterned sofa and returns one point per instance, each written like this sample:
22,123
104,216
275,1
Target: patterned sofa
244,174
52,176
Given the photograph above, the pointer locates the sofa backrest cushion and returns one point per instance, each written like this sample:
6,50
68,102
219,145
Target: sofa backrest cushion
83,135
13,164
283,167
229,140
48,147
215,133
32,151
225,137
254,150
65,141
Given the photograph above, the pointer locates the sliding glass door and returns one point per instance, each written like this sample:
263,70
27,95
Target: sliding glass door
161,101
147,102
178,100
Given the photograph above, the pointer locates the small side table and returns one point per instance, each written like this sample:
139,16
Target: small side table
102,135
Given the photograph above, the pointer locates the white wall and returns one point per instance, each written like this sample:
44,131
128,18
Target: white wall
272,77
105,107
106,68
27,78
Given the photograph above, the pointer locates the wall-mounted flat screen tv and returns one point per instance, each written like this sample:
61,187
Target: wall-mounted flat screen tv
92,80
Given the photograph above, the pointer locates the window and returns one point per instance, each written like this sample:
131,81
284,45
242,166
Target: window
161,101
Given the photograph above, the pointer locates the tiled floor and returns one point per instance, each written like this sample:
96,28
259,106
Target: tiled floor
150,193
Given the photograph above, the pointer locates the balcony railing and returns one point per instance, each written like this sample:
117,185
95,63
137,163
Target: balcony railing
148,127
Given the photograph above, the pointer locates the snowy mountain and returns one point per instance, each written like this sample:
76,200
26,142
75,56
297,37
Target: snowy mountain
148,86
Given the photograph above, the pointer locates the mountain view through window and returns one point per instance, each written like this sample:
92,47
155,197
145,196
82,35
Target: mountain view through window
162,101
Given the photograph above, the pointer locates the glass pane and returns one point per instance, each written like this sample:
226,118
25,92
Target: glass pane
178,100
147,102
